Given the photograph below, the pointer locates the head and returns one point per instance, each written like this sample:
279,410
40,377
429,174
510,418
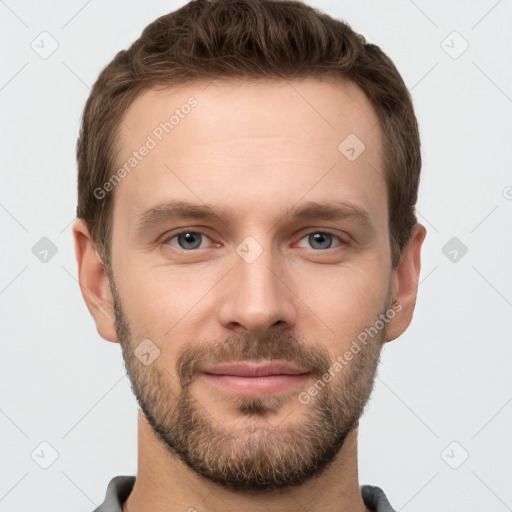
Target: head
284,149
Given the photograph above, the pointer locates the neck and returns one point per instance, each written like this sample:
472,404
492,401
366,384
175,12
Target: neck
164,483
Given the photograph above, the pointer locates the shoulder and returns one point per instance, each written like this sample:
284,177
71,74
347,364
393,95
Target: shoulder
118,490
375,499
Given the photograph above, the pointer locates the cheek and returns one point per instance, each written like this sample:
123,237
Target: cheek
165,306
345,299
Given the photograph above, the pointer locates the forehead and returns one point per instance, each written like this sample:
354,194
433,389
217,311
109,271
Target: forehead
216,142
325,106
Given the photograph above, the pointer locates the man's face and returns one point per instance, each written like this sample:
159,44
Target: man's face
254,283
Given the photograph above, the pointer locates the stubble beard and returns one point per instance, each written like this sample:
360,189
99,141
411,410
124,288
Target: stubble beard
255,455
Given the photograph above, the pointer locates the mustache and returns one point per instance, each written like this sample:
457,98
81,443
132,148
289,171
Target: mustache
272,346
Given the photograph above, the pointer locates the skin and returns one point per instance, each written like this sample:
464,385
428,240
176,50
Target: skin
255,150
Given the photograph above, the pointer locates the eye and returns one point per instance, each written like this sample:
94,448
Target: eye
191,240
323,240
187,240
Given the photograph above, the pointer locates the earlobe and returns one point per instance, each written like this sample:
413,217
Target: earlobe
405,284
94,283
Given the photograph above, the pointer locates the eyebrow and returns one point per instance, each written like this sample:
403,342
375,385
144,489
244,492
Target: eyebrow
311,210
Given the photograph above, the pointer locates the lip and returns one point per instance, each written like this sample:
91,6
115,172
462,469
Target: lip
255,379
255,369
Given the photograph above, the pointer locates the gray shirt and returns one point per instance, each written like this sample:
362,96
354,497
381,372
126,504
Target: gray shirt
120,488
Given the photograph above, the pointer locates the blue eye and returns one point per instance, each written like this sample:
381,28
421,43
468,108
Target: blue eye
188,239
191,240
322,239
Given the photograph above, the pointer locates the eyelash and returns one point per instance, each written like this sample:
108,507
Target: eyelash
323,231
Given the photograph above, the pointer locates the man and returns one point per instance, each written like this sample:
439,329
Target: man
247,177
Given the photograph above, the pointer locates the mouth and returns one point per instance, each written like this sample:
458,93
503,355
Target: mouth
254,379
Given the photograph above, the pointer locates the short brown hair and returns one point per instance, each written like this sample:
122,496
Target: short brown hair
247,39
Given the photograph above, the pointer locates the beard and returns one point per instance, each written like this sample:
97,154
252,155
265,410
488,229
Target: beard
251,455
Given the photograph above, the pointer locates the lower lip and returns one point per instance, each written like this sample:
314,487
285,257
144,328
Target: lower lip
256,386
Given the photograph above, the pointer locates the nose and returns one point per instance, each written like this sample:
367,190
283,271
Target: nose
259,296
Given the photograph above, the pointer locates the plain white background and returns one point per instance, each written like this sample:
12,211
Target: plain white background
436,434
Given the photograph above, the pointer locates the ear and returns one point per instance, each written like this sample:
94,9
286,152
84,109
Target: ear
94,283
405,283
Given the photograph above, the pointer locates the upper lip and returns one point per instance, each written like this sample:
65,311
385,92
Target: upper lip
255,369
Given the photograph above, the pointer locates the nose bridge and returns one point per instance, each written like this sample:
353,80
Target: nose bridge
257,298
